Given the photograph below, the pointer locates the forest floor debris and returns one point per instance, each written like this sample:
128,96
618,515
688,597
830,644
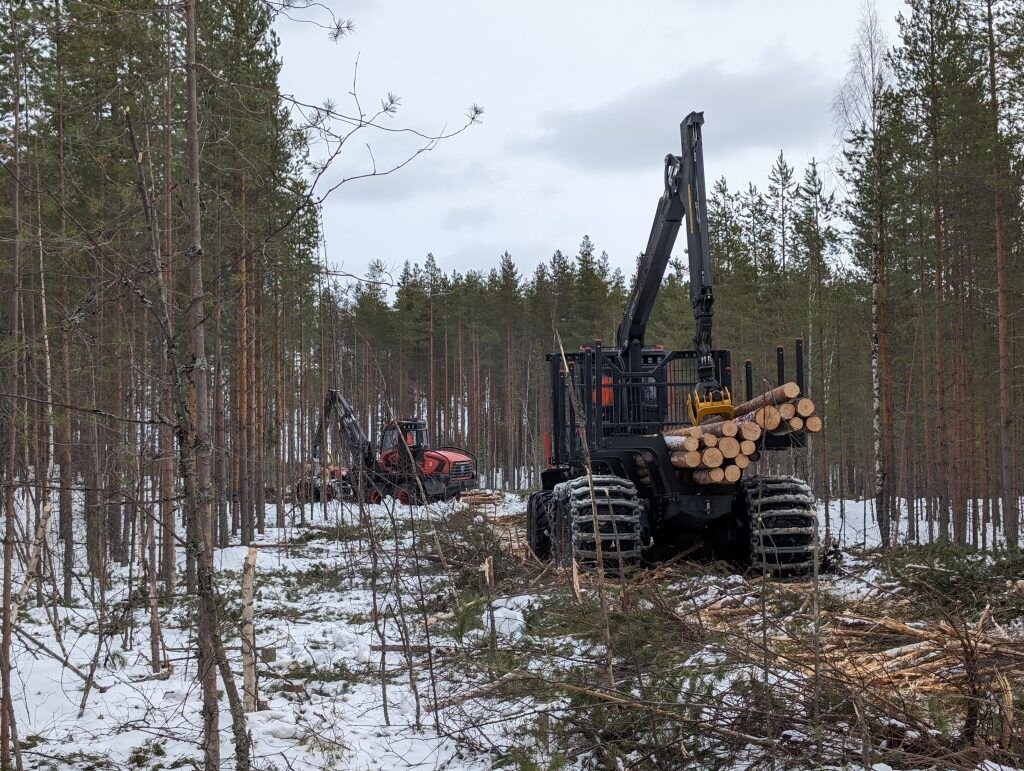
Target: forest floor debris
913,659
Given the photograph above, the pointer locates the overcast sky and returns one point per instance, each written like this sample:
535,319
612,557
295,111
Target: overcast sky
583,100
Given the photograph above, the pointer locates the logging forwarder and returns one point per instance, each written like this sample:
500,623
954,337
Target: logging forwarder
619,487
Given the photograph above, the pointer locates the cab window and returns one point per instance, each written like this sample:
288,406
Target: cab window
389,441
414,435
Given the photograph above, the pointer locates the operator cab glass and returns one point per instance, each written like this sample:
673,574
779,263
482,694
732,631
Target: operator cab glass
389,439
412,433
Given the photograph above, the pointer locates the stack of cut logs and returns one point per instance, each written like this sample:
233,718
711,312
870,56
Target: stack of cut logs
481,497
718,450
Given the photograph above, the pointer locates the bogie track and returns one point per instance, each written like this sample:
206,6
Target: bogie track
613,506
783,524
776,513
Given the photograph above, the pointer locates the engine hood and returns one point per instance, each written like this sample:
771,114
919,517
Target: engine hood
449,455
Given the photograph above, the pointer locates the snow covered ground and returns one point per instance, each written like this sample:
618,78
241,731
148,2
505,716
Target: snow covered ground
322,693
854,526
324,705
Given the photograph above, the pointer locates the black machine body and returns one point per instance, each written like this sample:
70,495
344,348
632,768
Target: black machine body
609,468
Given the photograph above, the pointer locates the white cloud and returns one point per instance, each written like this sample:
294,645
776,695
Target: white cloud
583,100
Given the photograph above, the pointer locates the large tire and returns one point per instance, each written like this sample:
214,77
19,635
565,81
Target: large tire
599,525
783,525
538,523
410,495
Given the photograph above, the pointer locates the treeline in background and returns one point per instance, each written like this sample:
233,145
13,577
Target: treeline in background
895,262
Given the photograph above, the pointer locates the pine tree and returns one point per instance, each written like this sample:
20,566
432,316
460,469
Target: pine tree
937,68
781,186
816,240
996,21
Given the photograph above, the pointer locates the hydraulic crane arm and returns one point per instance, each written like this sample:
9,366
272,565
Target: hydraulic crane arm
337,408
652,265
684,198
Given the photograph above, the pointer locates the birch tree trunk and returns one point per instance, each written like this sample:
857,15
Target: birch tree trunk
250,700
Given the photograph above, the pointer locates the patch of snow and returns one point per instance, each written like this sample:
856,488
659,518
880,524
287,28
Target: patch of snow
708,656
509,620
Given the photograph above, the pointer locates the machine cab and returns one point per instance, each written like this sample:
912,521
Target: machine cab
410,433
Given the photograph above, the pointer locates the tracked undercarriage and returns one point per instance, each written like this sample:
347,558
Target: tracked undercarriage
783,524
778,533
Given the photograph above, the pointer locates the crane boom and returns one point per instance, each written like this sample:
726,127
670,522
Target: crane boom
336,407
684,198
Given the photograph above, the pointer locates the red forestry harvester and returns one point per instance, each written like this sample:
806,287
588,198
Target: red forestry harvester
404,466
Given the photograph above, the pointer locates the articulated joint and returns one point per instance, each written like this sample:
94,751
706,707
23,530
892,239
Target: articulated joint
673,165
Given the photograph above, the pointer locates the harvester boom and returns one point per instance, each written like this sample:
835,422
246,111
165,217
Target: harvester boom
337,408
684,197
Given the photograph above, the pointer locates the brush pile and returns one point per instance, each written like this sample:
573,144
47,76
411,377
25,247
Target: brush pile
717,451
923,657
